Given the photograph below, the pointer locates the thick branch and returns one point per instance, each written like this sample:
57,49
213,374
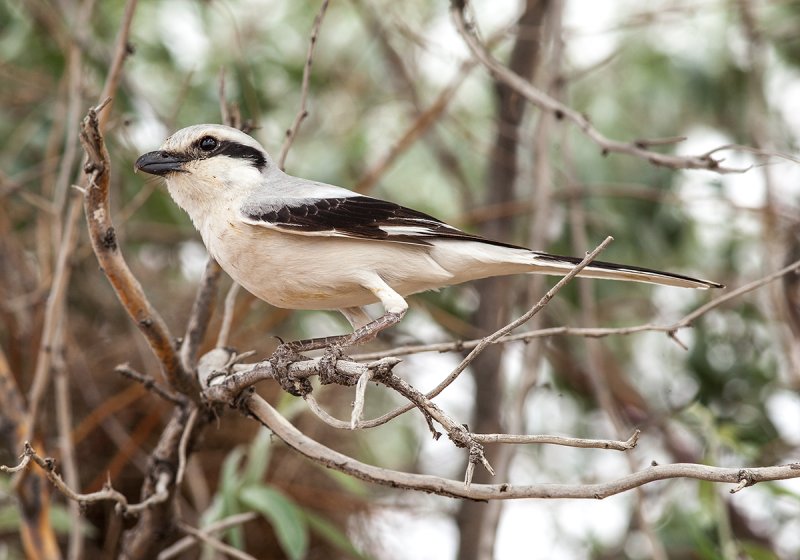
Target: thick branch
109,255
267,415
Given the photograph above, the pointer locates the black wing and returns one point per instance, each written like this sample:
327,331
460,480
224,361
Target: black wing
361,217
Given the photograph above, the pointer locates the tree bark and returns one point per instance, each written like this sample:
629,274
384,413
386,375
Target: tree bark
477,521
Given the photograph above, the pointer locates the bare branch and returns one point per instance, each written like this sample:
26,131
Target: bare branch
358,404
561,440
22,465
148,536
216,544
121,51
294,438
66,447
469,34
499,334
600,332
150,384
184,444
189,541
202,308
227,315
106,494
52,317
108,253
214,366
302,113
325,417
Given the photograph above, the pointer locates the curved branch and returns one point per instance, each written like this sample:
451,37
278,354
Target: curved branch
106,494
294,438
106,248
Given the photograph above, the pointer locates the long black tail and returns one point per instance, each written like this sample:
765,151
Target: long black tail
557,264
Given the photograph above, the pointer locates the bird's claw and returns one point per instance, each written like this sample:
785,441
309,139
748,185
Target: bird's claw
281,359
327,367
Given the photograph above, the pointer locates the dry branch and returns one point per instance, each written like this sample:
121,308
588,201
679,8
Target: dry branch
302,112
202,309
561,440
29,456
294,438
190,540
29,488
498,335
591,332
637,148
106,248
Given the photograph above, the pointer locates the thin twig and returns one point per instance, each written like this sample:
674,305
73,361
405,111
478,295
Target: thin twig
150,384
66,447
561,440
227,316
202,308
685,322
457,433
22,465
326,417
54,310
302,112
216,544
121,52
183,446
106,494
189,541
496,336
469,34
358,404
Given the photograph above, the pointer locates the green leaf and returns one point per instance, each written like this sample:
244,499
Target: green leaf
286,518
9,518
257,458
230,483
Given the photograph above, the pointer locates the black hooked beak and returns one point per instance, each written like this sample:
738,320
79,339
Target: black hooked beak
160,163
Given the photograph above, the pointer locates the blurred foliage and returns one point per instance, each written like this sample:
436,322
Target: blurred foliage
673,70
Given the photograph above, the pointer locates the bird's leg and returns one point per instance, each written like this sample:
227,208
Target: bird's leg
334,352
335,345
395,308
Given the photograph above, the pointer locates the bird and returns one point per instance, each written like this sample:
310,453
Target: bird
302,244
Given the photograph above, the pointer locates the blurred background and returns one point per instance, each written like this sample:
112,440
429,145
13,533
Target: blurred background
398,110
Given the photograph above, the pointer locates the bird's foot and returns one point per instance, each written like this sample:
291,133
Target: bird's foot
327,367
283,357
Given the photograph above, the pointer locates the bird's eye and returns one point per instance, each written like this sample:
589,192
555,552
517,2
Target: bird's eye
208,143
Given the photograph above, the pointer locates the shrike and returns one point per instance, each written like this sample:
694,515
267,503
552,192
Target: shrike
299,244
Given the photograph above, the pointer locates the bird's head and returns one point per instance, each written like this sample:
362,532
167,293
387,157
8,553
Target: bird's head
207,164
